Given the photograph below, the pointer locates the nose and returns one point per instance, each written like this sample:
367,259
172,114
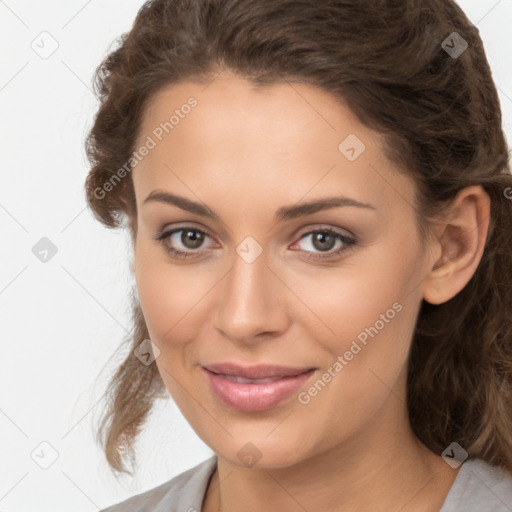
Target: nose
251,305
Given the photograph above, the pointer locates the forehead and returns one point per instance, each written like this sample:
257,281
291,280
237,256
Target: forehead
234,105
237,136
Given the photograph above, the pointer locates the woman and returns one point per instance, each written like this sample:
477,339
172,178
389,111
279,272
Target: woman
318,199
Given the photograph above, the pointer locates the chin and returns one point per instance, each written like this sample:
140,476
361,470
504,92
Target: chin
261,453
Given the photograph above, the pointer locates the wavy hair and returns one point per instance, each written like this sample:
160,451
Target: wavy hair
440,117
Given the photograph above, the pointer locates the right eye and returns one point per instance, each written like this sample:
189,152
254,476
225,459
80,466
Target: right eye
182,242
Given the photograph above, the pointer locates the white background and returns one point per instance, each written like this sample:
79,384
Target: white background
62,320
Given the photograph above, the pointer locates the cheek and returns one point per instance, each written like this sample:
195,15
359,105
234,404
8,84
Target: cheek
372,299
170,298
168,293
378,290
370,312
367,327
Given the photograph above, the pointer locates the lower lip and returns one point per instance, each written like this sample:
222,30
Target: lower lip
258,396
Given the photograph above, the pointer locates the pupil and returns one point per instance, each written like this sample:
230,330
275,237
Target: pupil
194,237
323,241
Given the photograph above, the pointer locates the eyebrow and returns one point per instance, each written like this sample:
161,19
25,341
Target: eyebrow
283,213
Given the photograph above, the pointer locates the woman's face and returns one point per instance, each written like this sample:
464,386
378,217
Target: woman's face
265,281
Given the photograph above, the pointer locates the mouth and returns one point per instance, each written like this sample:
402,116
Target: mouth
256,372
243,380
255,388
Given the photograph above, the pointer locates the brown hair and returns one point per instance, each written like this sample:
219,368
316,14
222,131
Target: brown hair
440,117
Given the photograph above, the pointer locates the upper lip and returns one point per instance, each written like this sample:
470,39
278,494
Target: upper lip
261,371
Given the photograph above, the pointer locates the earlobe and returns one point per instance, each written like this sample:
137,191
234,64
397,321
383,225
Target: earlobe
462,237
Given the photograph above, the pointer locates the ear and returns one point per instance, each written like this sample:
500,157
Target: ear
460,238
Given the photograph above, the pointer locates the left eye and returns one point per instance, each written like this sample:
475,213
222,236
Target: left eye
325,243
320,240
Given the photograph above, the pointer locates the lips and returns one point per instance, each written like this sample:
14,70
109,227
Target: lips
255,388
262,371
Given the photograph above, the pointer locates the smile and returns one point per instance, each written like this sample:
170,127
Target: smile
256,394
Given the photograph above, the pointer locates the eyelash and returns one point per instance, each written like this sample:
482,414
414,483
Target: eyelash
176,253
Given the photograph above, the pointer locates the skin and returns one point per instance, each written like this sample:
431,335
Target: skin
246,152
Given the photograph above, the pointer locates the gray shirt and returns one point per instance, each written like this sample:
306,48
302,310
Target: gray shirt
478,487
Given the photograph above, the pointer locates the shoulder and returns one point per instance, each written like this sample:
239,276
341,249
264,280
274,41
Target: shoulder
185,492
480,487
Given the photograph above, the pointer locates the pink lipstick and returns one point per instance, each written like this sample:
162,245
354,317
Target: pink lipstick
255,388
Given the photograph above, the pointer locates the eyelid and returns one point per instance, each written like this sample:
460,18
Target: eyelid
181,227
324,227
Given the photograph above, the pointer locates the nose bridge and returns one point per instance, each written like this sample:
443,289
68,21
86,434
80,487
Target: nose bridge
247,305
